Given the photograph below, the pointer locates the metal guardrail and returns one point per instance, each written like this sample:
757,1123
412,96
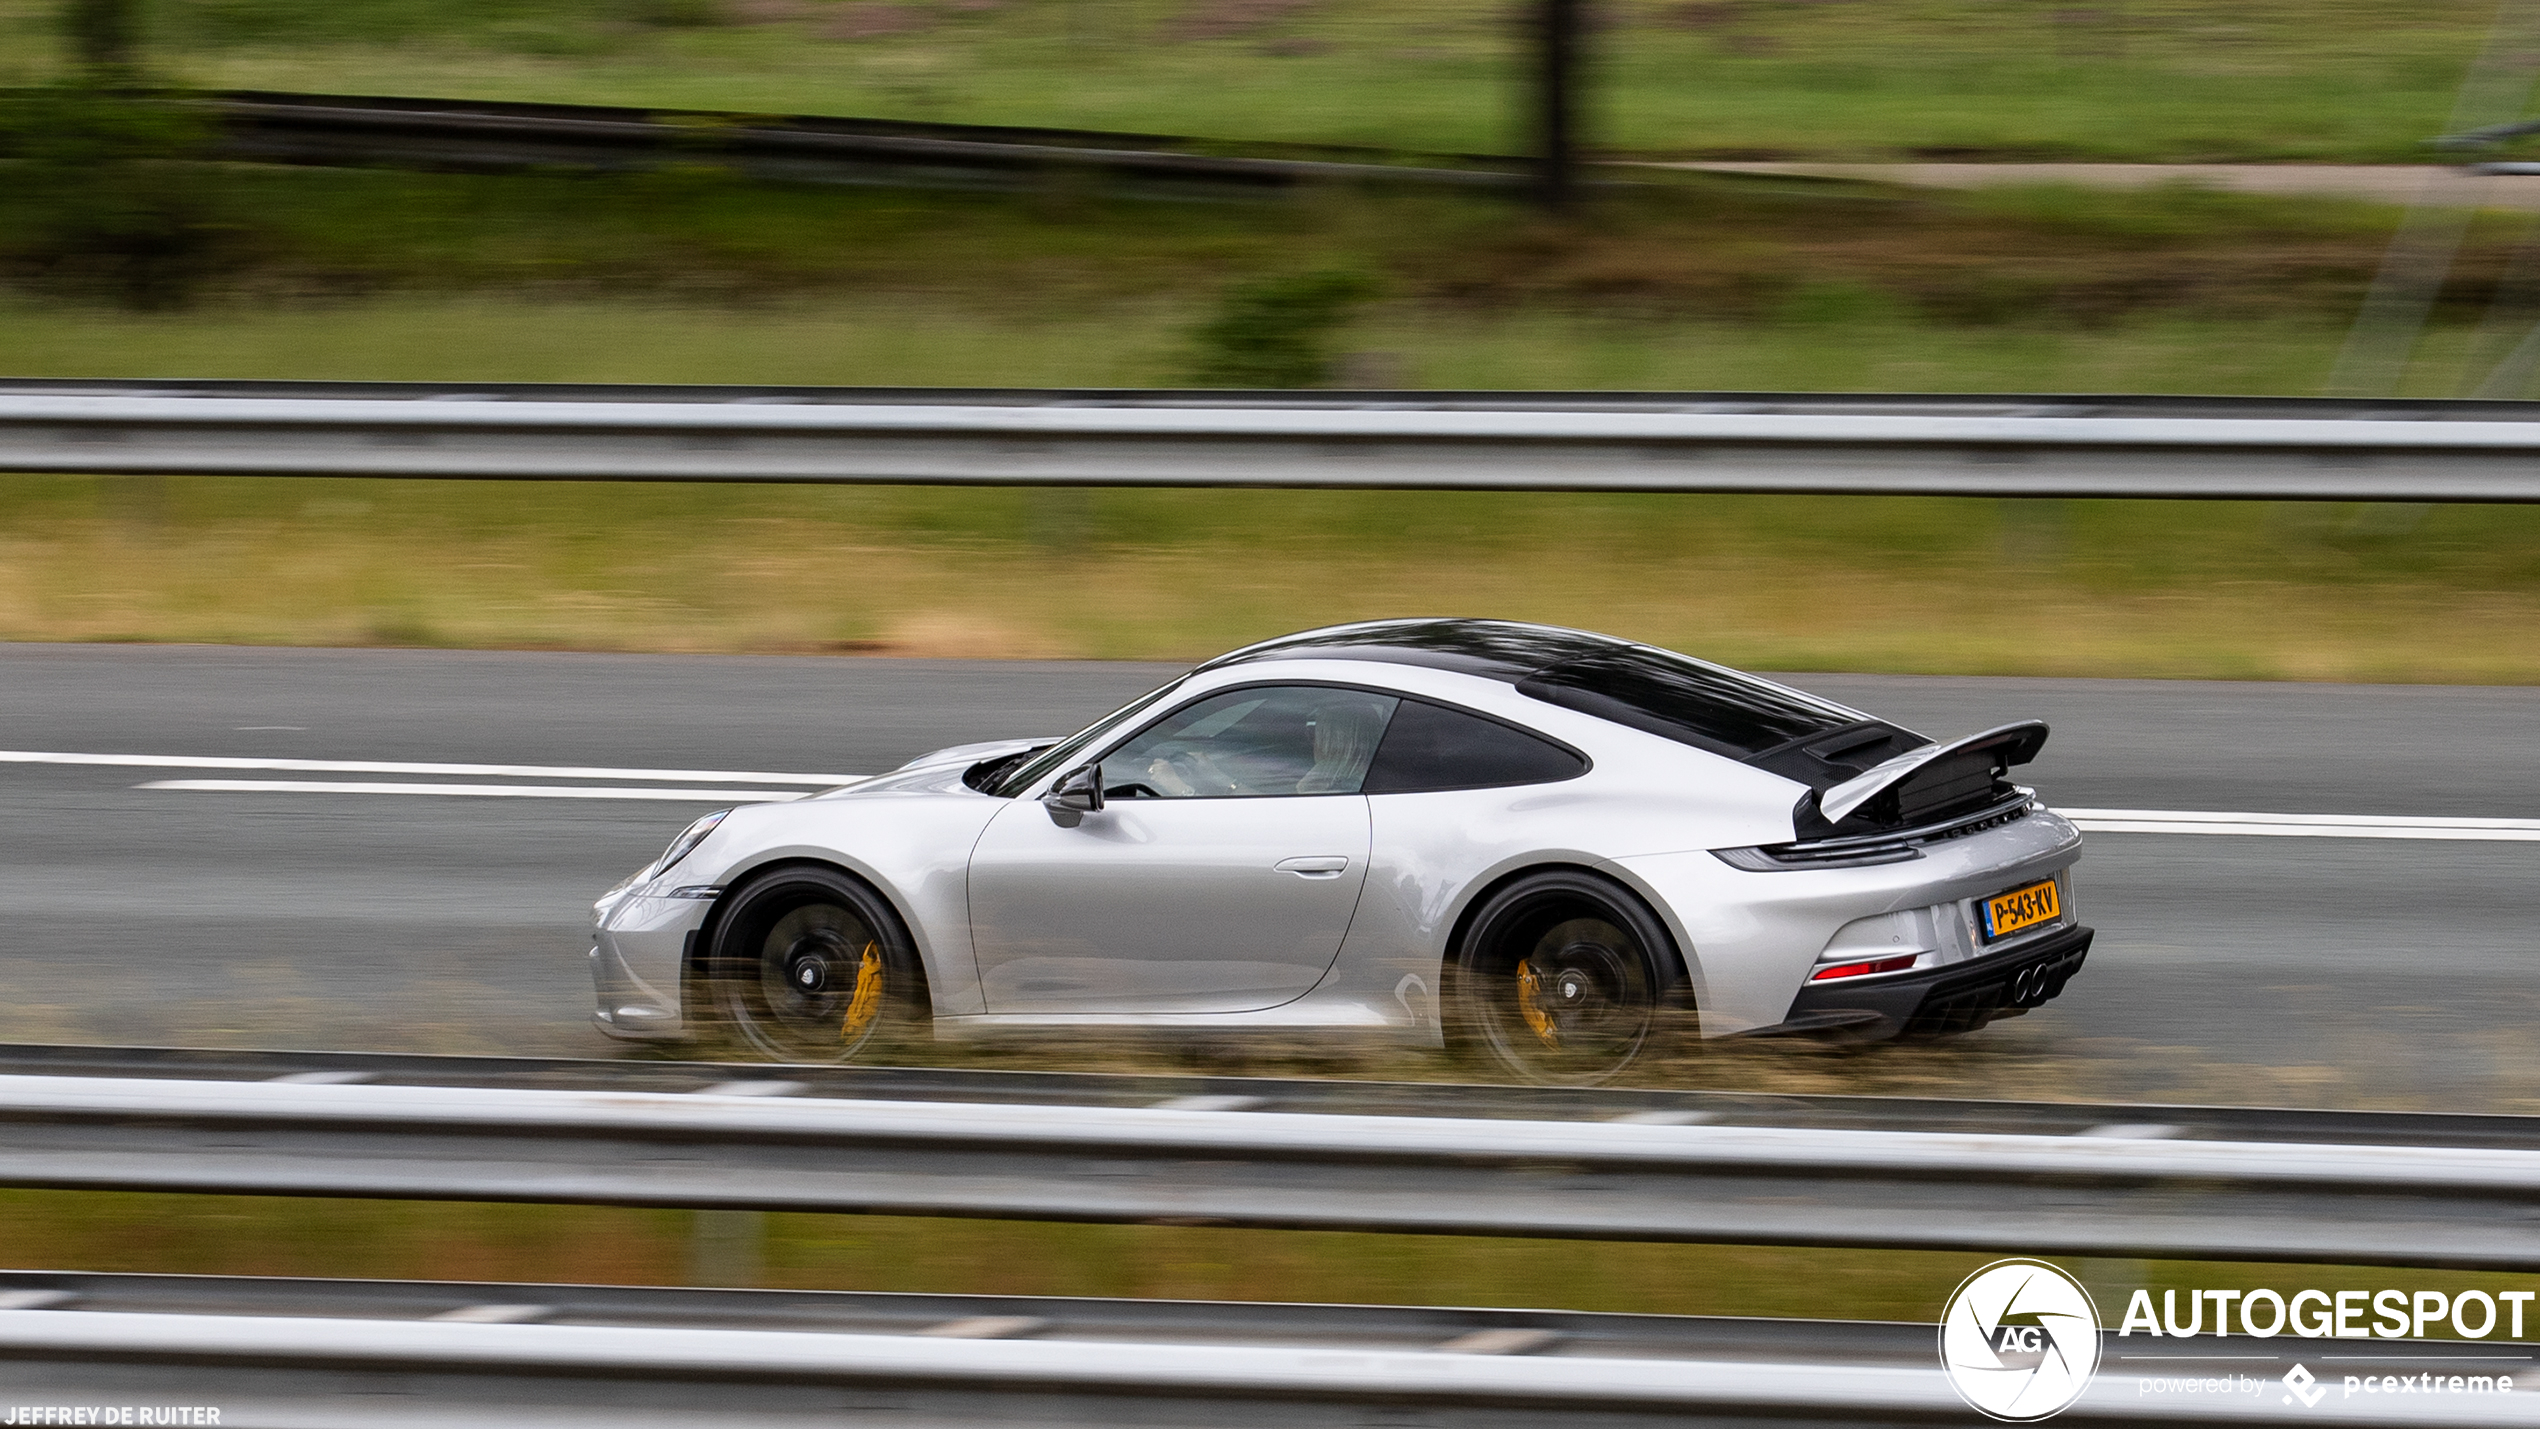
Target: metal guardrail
2108,1195
1040,1317
1873,445
341,130
526,1356
1464,1101
360,1352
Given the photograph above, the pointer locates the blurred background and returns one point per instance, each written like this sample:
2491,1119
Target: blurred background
136,241
2181,196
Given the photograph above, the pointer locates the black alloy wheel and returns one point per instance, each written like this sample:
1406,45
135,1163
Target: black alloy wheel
810,965
1562,978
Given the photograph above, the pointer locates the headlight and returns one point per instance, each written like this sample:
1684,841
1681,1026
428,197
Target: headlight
686,843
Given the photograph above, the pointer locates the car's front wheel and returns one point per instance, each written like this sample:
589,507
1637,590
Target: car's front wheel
810,965
1563,977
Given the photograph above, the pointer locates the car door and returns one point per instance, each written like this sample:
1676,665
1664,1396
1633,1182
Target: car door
1220,875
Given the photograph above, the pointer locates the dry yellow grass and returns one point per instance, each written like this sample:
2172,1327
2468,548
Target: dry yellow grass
611,1245
1961,586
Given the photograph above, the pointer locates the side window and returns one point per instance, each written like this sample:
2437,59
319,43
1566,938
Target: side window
1431,747
1252,744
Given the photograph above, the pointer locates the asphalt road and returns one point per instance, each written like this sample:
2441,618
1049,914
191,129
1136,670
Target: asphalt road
2232,968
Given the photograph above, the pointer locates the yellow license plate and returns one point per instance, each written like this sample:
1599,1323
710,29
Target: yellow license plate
2008,913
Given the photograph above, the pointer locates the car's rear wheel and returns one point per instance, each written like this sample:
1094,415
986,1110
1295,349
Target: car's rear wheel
1563,978
810,965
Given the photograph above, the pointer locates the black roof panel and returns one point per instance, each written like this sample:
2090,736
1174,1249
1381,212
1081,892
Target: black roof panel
1644,687
1499,649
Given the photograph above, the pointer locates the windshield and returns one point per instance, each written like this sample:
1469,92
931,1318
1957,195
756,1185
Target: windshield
1062,754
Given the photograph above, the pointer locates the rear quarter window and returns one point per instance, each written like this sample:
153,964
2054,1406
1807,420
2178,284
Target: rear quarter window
1689,701
1430,747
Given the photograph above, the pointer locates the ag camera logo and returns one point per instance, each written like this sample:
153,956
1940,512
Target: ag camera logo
2020,1340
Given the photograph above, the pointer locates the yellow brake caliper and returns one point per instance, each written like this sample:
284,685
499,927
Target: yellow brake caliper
867,1001
1528,985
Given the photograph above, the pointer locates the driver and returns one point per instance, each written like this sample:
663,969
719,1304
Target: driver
1281,745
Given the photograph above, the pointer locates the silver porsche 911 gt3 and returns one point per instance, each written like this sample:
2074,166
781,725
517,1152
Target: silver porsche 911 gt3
1532,841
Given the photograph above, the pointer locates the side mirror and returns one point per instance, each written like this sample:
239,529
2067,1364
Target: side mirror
1075,796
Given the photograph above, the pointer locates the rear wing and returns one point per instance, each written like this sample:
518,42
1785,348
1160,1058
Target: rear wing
1944,769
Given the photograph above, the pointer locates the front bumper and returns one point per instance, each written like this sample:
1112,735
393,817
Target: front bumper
1957,997
639,957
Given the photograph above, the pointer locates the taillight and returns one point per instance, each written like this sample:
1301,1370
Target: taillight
1882,965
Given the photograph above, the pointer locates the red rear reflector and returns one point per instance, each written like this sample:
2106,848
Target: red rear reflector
1883,965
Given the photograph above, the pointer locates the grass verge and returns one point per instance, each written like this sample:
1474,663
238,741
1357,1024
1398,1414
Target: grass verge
238,1235
486,279
2173,589
1687,249
2146,80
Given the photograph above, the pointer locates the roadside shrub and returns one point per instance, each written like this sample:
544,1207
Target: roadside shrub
103,200
1276,332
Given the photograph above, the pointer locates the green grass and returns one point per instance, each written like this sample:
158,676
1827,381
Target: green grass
845,340
2232,590
2048,259
264,1236
690,278
693,278
235,1235
2129,79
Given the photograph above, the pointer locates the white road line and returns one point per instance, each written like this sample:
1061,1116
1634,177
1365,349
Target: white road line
2300,826
2403,821
2101,821
363,766
479,791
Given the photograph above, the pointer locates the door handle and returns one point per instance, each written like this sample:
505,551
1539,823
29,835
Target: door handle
1315,866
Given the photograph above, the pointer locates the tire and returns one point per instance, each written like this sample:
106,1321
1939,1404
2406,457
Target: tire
1563,978
810,965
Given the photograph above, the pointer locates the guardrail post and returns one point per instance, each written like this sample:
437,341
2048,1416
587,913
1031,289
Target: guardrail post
1556,101
105,36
